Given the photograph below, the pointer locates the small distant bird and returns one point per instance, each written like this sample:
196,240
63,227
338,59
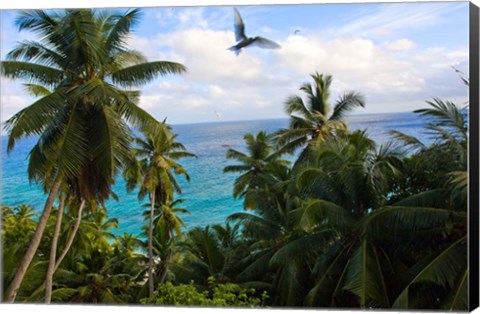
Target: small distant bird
218,114
244,41
296,32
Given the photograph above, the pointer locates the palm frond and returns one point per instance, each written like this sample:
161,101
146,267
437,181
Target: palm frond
315,212
365,278
458,298
110,145
347,102
445,113
301,249
405,220
121,28
37,21
141,74
36,90
433,199
32,72
36,52
322,294
294,104
33,119
236,168
407,140
443,269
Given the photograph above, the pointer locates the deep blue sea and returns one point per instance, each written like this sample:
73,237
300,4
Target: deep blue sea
209,194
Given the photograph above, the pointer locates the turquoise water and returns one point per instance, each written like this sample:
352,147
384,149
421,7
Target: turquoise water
209,193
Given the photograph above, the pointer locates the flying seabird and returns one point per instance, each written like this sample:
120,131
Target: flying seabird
244,41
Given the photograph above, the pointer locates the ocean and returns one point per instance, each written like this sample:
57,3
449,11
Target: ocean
208,195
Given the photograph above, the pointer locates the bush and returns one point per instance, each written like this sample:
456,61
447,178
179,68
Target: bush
216,295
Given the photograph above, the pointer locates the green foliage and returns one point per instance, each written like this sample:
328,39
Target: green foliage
255,166
316,119
82,119
350,224
216,295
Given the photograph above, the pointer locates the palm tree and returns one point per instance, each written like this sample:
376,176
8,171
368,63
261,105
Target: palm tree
445,123
286,240
127,244
166,215
255,165
380,255
155,172
83,59
53,250
129,248
346,182
445,160
266,231
315,119
98,274
166,224
208,252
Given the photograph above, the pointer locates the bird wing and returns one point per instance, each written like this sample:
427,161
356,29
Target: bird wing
239,26
265,43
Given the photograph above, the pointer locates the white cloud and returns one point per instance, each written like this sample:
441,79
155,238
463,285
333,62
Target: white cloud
394,74
205,54
11,103
145,46
400,45
391,82
353,60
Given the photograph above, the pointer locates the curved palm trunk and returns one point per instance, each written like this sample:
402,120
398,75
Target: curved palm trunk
53,252
72,236
68,245
167,261
150,248
34,243
163,275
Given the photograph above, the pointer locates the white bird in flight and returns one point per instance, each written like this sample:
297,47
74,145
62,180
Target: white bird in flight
244,41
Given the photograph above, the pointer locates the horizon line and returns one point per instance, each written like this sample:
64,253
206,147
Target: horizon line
281,118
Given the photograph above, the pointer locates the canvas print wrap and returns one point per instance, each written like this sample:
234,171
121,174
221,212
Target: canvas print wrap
311,156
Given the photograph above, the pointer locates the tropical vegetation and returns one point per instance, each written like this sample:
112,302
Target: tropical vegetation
331,218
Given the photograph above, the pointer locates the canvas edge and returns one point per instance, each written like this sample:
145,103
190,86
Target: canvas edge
473,286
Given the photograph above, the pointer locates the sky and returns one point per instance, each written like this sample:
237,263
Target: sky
397,54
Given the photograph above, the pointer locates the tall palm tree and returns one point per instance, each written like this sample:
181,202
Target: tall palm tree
155,171
255,165
84,137
167,225
382,255
166,215
313,118
347,180
296,224
269,230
